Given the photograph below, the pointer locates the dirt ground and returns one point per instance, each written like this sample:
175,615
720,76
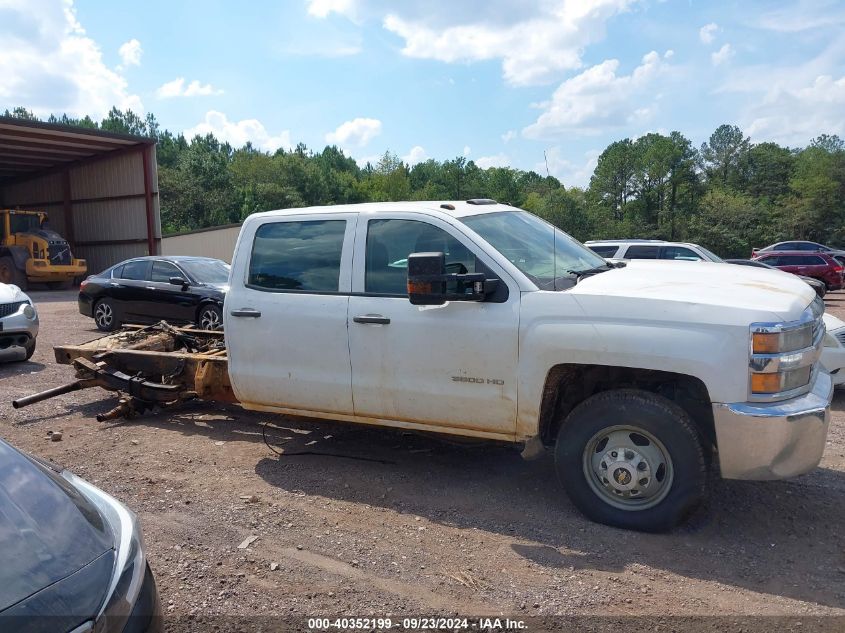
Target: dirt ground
403,524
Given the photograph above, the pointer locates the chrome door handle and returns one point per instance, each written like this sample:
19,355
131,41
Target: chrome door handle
246,312
371,318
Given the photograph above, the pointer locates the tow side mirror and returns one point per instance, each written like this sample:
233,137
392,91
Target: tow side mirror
178,281
430,285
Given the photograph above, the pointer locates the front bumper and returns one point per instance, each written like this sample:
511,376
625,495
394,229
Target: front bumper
16,332
774,440
42,270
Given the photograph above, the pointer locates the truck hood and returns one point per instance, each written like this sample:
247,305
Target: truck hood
703,284
10,293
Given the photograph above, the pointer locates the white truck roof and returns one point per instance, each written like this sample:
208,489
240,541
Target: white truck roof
454,208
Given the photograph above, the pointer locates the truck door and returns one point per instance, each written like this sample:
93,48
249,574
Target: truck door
452,365
285,313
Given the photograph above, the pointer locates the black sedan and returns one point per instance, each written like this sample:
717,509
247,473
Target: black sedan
71,556
150,289
816,284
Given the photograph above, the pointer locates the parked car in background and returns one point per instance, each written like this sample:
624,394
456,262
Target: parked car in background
798,245
149,289
816,284
18,324
818,265
833,352
71,556
651,249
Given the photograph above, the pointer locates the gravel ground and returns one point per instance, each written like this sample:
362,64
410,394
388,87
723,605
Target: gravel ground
420,526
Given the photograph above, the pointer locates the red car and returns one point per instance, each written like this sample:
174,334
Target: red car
819,265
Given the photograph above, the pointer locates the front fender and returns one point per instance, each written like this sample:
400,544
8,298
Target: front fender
716,354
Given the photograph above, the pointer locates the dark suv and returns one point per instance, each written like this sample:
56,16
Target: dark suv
819,265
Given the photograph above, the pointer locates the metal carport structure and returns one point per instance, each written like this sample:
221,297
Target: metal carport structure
99,188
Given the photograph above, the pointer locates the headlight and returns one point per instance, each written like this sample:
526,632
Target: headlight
783,354
130,560
29,311
786,340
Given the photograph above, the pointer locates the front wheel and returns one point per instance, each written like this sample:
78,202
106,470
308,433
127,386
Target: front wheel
105,316
631,459
210,317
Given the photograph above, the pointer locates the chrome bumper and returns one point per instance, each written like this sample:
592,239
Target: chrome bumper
774,440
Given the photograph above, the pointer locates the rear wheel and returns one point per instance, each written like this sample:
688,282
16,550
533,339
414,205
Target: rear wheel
210,317
631,459
105,316
10,274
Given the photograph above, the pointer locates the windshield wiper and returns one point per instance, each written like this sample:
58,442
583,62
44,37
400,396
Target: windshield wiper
592,271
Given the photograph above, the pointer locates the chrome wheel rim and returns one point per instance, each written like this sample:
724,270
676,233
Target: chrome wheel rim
103,315
628,467
209,320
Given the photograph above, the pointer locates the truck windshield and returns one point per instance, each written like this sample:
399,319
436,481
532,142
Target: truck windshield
541,251
24,223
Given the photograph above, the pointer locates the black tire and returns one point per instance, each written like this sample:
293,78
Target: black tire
105,315
685,473
11,274
210,317
30,349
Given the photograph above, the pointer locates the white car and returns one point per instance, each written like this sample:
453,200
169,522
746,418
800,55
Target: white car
18,324
833,352
651,249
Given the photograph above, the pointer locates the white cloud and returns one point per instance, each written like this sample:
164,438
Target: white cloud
238,133
598,99
497,160
467,150
416,155
357,132
49,65
722,55
535,42
707,33
177,88
324,8
820,104
509,136
803,16
130,53
569,173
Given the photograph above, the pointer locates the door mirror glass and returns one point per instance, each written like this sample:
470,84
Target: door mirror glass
429,282
178,281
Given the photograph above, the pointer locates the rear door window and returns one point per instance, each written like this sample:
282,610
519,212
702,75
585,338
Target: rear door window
301,256
136,270
814,260
641,252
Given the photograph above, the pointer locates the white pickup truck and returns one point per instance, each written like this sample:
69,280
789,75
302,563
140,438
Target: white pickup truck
479,319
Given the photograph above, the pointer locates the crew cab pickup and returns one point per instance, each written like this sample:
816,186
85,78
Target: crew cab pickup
479,319
482,320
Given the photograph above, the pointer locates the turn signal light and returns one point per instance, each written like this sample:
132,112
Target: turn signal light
765,343
765,383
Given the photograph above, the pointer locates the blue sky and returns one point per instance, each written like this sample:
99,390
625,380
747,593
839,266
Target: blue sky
499,81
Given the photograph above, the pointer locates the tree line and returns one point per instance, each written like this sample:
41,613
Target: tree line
728,195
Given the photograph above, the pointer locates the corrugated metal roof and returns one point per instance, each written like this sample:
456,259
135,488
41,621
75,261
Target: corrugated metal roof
28,148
